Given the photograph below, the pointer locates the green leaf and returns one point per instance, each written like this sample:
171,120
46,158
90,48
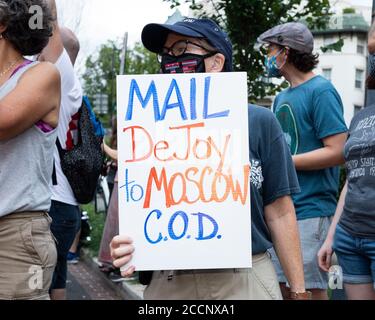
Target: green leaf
337,46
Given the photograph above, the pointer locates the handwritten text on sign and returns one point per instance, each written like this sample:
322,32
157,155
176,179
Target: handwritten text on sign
183,170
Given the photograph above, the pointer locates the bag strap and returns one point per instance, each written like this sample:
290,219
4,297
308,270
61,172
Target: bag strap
59,148
54,176
61,152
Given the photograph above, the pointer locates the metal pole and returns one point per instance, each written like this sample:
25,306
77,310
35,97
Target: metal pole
123,54
112,79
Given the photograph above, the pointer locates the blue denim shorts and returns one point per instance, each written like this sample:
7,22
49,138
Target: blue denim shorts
356,257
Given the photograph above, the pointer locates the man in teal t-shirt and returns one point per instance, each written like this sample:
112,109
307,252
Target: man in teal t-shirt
310,112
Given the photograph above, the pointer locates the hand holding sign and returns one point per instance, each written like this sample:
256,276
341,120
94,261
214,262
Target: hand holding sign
121,253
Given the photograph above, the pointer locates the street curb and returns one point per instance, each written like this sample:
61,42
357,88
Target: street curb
122,289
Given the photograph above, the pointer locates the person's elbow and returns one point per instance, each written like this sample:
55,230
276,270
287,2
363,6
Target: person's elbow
337,155
5,128
335,147
3,136
281,208
10,130
2,131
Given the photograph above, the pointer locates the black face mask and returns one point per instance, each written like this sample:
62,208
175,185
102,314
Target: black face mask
185,63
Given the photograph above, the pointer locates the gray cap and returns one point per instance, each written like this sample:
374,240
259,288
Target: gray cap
294,35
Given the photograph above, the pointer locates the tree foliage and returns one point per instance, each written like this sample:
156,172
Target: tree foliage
141,61
103,67
245,20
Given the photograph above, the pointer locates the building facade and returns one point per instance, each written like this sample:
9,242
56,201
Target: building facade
347,69
360,6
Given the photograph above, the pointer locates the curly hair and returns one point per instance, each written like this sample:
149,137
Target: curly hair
16,15
304,62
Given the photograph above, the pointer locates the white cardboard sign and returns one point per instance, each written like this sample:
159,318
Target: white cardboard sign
184,185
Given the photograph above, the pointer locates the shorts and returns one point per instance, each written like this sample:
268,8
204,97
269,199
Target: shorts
313,233
356,257
257,283
27,256
66,220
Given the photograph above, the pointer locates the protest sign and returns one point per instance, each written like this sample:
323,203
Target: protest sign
184,189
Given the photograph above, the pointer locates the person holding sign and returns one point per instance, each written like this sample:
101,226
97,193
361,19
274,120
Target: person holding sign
196,46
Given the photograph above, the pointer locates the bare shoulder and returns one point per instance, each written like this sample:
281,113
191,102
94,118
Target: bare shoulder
43,80
43,72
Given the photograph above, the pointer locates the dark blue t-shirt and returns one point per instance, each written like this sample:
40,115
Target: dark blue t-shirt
272,171
309,113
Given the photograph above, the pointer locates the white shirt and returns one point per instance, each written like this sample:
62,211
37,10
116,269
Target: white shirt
71,101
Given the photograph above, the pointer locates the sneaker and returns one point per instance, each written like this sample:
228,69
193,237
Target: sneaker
72,258
115,276
106,268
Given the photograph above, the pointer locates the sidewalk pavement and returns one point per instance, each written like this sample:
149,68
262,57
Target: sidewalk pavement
84,284
87,282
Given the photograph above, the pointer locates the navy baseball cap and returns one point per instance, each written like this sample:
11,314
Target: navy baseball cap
154,36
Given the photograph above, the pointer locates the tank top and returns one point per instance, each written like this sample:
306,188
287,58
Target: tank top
26,163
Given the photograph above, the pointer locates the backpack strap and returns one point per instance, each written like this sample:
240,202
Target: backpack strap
54,177
59,148
61,152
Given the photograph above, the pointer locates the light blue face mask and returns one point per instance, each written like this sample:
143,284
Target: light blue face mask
273,71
